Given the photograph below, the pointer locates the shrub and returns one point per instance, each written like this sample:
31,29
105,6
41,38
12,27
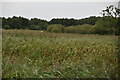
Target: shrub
82,29
6,26
71,29
34,27
55,28
104,27
85,29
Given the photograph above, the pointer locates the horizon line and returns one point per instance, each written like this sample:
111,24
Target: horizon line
52,17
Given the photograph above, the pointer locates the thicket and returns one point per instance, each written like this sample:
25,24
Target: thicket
106,25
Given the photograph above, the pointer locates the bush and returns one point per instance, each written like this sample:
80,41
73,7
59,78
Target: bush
71,29
34,27
106,26
6,26
85,29
55,28
82,29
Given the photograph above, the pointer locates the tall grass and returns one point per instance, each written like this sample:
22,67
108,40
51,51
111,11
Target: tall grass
36,54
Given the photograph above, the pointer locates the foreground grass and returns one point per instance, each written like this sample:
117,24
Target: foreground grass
33,54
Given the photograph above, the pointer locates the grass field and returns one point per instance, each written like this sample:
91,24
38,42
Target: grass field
36,54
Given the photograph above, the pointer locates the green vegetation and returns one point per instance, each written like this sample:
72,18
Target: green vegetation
108,24
24,23
38,48
81,29
55,28
36,54
6,26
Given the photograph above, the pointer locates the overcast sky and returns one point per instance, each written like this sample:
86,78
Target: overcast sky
49,10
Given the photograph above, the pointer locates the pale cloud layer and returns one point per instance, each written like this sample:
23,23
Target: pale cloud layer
59,0
49,10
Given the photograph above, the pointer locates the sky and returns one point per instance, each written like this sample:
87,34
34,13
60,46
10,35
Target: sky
50,10
59,0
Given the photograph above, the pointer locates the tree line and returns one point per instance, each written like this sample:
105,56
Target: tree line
39,24
107,24
95,25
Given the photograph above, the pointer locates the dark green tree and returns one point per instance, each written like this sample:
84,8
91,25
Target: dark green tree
6,27
114,13
111,11
38,24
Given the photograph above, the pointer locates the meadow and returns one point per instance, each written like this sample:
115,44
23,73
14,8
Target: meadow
37,54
